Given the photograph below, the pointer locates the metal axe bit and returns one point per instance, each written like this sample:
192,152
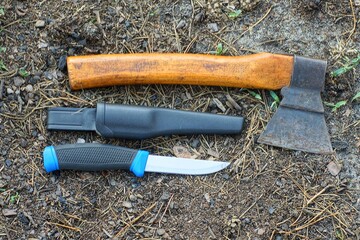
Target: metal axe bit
299,121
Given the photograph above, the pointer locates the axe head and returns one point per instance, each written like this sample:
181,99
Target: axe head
299,121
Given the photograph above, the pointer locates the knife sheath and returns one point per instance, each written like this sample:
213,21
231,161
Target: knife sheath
138,122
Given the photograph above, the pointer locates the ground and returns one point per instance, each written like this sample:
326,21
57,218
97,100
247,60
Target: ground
266,193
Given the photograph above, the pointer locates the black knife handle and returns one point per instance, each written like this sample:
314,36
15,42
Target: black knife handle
94,157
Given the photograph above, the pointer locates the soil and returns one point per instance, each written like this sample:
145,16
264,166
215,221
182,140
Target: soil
266,193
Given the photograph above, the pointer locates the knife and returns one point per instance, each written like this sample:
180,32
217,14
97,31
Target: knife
98,157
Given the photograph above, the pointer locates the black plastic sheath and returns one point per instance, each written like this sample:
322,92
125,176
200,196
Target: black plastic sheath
138,122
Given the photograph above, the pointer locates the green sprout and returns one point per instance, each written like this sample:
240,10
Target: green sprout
2,11
351,64
14,198
234,14
254,94
3,67
219,50
23,72
2,49
276,99
336,105
356,96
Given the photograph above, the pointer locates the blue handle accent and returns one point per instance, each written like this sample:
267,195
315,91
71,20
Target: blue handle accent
50,159
139,163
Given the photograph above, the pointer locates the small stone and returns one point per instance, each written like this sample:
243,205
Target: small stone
43,45
41,138
8,162
48,75
112,182
18,81
141,230
334,168
195,143
165,196
127,204
226,176
271,210
181,24
207,197
9,91
29,88
9,212
213,27
278,237
40,23
62,62
34,79
80,140
132,198
261,231
23,143
160,231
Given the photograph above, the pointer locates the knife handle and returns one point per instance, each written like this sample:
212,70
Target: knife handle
94,157
260,71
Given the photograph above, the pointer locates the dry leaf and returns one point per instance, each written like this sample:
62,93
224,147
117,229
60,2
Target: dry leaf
334,168
181,152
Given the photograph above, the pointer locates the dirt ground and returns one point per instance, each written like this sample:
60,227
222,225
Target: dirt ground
266,193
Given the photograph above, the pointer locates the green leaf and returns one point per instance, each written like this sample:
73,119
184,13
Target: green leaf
219,49
2,11
23,72
356,96
254,94
347,67
338,105
2,49
274,96
235,14
3,67
14,198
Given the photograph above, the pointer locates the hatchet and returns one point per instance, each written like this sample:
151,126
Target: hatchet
299,121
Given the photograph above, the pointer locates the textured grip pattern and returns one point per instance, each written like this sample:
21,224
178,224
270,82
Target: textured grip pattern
94,157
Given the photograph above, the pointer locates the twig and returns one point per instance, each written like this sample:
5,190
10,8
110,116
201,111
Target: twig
318,194
167,206
354,20
64,226
250,206
123,230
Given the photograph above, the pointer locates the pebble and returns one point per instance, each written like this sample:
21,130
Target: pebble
48,75
207,197
141,230
9,91
132,198
181,24
34,79
41,138
23,143
165,196
278,237
18,81
40,23
160,231
334,168
213,27
271,210
43,45
195,143
127,204
62,62
80,140
29,88
8,162
261,231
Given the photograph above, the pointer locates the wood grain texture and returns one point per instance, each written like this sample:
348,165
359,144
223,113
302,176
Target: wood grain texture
256,71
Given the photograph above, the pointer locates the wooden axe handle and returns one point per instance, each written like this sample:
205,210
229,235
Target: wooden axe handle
260,71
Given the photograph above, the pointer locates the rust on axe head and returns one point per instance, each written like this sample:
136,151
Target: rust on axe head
299,122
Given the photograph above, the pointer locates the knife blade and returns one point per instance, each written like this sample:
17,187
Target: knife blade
98,157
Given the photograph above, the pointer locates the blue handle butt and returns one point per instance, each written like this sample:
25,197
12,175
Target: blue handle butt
139,163
50,159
